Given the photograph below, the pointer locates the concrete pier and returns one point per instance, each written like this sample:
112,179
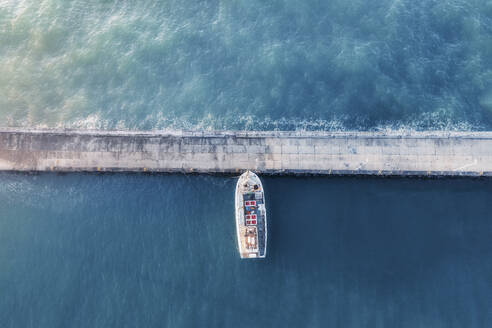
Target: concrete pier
415,153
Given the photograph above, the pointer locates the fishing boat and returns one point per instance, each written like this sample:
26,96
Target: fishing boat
251,221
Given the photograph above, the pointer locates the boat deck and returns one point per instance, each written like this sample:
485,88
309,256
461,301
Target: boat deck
256,215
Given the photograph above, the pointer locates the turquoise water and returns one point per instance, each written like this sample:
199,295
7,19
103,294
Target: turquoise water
316,65
160,251
121,250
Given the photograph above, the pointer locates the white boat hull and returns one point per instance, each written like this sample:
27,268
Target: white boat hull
251,218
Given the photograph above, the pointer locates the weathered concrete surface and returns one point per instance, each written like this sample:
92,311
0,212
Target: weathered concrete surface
422,153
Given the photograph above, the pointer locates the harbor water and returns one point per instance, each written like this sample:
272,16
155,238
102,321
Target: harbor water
160,251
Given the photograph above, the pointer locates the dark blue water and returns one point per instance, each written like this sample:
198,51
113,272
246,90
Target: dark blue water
159,251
